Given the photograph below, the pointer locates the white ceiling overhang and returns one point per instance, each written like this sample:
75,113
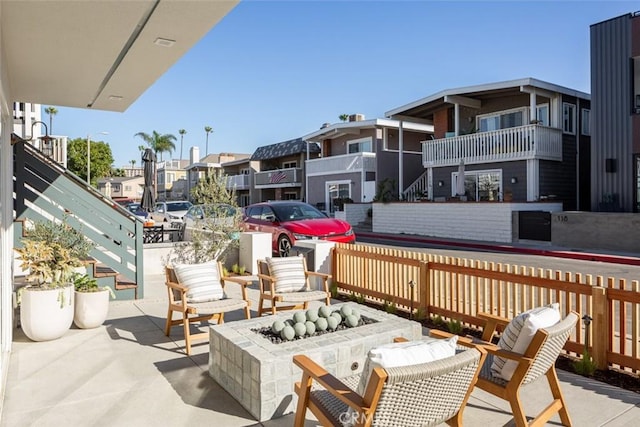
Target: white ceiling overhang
96,53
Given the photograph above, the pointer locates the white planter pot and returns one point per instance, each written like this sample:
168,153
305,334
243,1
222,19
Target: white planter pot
91,309
46,314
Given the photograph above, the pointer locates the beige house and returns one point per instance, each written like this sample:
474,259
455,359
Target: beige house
172,180
122,188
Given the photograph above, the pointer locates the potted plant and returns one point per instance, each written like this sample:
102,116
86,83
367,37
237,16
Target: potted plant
91,302
52,252
46,304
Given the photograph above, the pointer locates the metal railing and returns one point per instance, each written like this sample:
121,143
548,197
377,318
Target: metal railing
278,178
355,162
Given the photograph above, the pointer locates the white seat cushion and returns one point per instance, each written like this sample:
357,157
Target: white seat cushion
518,335
288,273
202,281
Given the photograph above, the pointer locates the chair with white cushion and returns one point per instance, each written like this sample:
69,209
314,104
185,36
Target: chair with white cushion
414,383
286,280
197,293
527,350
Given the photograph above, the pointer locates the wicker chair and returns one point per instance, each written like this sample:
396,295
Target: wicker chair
191,312
427,394
300,299
537,361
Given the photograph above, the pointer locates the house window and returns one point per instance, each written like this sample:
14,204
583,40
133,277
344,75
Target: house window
171,177
362,145
335,192
127,188
585,128
290,165
244,171
244,200
569,118
160,178
290,195
480,185
542,114
502,120
115,188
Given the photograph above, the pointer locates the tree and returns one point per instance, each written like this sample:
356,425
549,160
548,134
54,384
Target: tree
51,111
159,143
213,189
118,172
343,117
101,159
182,132
208,130
133,163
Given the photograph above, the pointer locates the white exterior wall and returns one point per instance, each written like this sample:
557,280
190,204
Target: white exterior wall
489,222
356,213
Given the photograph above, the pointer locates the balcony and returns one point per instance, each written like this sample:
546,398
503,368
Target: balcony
238,182
356,162
291,177
504,145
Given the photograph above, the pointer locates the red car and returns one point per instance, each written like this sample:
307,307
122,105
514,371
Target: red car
290,221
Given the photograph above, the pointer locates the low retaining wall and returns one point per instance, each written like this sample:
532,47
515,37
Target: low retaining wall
596,230
491,222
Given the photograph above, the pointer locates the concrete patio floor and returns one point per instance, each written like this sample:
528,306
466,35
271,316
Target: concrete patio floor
128,373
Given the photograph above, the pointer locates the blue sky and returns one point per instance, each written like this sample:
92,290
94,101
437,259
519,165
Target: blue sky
272,71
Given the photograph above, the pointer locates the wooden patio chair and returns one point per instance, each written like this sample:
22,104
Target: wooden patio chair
537,360
425,394
287,280
193,310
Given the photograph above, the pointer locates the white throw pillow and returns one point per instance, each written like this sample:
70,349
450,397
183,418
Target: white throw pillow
518,335
289,273
202,281
406,354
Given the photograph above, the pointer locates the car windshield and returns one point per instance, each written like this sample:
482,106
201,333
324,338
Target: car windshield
182,206
219,210
296,212
133,207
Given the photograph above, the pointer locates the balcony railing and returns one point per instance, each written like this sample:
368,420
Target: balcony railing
355,162
519,143
238,182
291,177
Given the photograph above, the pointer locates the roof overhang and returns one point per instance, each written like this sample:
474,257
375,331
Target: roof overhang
337,130
95,53
471,95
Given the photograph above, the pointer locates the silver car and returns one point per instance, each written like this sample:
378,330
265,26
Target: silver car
206,216
170,213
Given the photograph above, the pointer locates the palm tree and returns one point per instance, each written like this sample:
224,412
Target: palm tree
51,111
159,143
182,132
208,130
343,117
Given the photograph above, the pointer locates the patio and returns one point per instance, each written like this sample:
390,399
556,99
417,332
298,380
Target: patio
128,372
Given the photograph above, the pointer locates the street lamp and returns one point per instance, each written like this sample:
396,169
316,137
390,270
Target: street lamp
89,155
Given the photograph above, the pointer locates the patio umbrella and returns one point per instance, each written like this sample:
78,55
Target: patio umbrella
460,181
148,160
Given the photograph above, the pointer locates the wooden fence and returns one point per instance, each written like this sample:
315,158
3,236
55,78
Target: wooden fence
456,288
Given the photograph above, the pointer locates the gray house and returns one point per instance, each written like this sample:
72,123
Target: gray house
615,87
359,155
520,140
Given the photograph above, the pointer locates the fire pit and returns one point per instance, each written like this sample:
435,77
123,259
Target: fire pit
260,374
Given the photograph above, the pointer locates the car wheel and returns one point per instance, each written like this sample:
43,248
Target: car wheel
284,246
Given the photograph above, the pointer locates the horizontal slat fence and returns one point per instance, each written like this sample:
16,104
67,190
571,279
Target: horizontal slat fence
457,288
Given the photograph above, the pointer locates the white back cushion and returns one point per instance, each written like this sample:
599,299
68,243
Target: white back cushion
518,335
289,274
406,354
202,281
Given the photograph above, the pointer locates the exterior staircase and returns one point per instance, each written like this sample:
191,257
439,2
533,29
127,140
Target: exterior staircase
46,191
419,188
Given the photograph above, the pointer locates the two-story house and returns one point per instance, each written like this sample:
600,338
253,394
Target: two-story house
122,188
519,140
240,178
200,168
615,90
359,154
172,180
282,169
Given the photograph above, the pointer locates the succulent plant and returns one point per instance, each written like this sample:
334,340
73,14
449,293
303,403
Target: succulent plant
324,311
299,317
336,315
346,310
332,323
351,321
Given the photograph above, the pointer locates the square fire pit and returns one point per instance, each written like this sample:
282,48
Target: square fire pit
261,375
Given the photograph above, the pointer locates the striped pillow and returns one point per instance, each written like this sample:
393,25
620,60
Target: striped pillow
289,274
518,335
202,281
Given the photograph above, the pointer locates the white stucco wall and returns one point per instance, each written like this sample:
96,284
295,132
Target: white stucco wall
489,222
356,212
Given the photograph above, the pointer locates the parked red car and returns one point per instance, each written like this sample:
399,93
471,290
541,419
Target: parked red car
290,221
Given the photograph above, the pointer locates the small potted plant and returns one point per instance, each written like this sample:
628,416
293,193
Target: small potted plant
91,302
52,252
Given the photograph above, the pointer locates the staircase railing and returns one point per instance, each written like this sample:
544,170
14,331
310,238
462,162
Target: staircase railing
44,190
418,188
